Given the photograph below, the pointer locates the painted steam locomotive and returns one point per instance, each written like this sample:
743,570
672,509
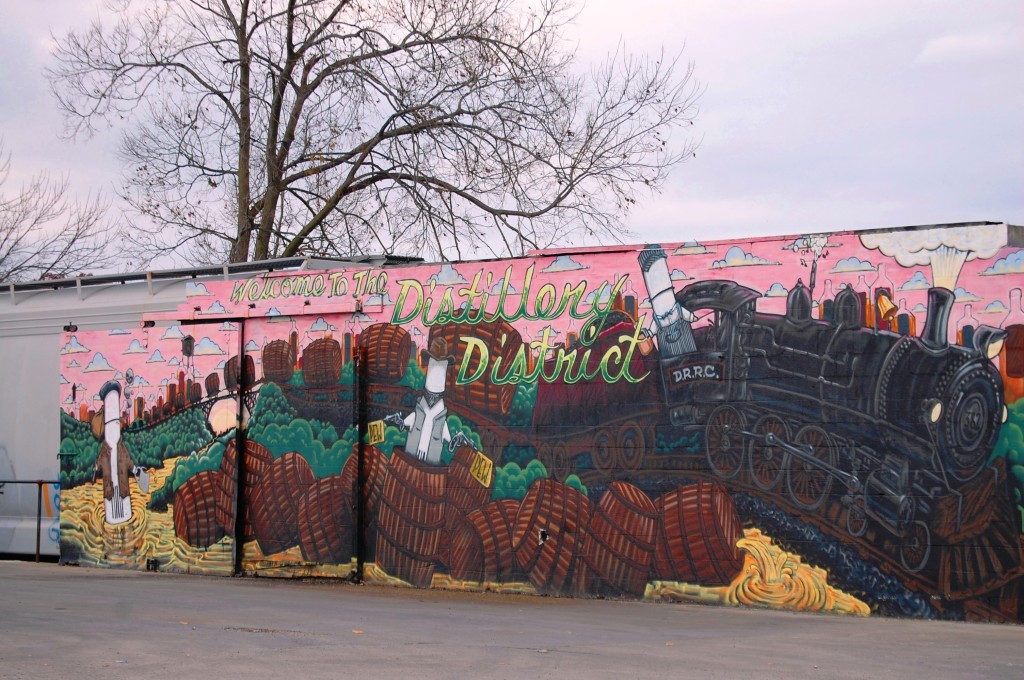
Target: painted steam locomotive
888,424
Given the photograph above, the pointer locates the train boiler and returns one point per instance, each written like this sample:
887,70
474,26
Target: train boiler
887,424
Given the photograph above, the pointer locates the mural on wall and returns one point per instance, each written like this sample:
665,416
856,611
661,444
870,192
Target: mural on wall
826,423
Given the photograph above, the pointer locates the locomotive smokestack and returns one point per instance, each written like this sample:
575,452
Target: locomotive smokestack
675,337
936,326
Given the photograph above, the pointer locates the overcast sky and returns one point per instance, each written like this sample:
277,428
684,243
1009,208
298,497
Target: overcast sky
818,115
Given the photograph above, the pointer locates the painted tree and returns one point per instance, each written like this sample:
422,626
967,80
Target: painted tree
336,127
44,233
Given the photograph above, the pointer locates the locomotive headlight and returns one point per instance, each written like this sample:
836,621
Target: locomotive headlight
989,341
933,410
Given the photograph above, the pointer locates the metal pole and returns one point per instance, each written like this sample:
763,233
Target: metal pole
39,513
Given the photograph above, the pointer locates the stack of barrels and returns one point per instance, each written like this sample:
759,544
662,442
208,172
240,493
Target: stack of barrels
557,541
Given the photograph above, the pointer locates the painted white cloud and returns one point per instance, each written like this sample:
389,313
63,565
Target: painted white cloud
172,333
447,276
98,363
737,257
135,347
605,296
156,358
919,308
916,282
74,364
563,263
383,299
164,382
174,361
251,346
679,275
119,331
996,307
852,264
221,365
193,289
691,248
1011,264
207,347
963,295
776,290
216,308
63,380
496,288
360,317
227,326
320,325
73,347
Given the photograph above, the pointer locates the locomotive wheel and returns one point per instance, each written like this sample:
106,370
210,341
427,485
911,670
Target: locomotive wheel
915,546
856,518
631,446
968,432
809,484
723,441
767,461
603,452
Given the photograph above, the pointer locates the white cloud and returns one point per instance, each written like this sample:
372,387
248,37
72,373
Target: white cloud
447,276
193,289
965,47
172,333
995,307
916,282
776,290
156,358
852,264
135,347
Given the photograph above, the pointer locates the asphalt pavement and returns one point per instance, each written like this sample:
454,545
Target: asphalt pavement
75,622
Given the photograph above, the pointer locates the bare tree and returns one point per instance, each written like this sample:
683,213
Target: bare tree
334,127
45,234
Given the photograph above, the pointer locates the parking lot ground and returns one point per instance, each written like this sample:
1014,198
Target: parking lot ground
72,622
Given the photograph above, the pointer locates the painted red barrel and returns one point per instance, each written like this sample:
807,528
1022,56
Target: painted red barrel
548,532
321,363
463,494
326,531
502,341
195,509
275,502
619,545
410,519
278,361
697,532
481,547
388,350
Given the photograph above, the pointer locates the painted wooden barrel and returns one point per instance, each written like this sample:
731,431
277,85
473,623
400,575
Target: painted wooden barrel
278,361
212,384
619,545
410,519
463,494
548,532
232,372
481,549
275,502
696,536
321,363
326,531
375,469
195,509
388,350
502,341
256,461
